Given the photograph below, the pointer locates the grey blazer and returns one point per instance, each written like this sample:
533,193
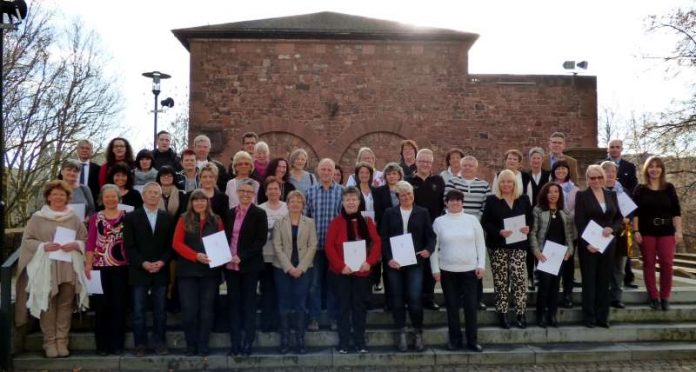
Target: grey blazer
537,237
306,243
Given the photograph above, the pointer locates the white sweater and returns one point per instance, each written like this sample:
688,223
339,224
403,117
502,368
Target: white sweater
460,243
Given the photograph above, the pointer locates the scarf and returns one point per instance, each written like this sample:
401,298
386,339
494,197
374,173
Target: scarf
362,227
170,204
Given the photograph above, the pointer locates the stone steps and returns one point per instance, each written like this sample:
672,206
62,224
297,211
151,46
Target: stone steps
502,354
376,337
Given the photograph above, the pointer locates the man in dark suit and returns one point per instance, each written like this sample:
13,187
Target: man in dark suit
163,154
626,175
557,144
147,237
89,172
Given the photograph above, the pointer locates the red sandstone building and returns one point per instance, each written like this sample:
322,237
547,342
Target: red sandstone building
331,83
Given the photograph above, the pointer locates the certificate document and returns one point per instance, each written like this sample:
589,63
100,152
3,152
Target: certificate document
126,208
354,254
63,236
94,285
217,249
402,249
554,254
515,224
626,204
593,235
79,209
368,214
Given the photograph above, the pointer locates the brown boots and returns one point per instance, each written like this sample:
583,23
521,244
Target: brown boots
55,322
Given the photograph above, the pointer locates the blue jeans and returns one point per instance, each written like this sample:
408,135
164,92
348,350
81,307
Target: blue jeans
159,314
292,293
407,282
322,285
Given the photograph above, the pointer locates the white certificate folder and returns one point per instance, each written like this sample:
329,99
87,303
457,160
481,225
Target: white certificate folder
217,249
354,254
402,249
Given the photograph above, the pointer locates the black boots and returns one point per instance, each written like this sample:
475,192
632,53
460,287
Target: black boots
299,334
284,333
504,321
403,340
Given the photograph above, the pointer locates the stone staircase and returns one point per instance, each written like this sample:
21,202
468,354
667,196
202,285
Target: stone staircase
637,333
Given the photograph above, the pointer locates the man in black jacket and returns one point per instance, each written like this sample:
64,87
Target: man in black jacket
89,172
626,175
147,237
163,154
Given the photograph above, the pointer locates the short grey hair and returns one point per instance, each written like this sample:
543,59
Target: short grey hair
71,163
394,167
425,152
246,182
262,146
109,187
201,138
469,158
296,154
403,186
536,150
152,184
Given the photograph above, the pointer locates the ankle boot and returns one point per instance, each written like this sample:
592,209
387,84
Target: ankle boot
284,333
504,322
521,321
419,346
300,333
403,340
551,319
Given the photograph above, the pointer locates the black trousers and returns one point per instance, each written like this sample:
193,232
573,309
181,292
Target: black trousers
241,297
629,277
568,273
428,282
197,296
352,294
269,298
547,294
110,309
460,288
596,271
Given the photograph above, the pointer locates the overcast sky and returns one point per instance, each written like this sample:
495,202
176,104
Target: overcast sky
516,37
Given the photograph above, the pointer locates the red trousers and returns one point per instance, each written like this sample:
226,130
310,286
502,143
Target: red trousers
658,250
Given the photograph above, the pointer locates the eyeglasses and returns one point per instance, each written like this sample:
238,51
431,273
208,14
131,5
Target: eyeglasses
596,178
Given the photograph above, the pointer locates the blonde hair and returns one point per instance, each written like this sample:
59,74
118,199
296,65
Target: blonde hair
362,151
510,175
57,184
403,186
210,167
296,154
243,155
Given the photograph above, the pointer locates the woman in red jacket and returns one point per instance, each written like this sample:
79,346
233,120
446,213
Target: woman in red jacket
353,286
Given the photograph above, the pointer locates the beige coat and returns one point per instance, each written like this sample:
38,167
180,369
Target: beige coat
41,229
306,243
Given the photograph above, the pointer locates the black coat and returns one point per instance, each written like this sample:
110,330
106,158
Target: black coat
93,180
382,199
543,180
587,208
142,244
495,211
418,225
168,157
252,238
626,175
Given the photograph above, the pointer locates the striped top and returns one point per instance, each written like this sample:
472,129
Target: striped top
475,193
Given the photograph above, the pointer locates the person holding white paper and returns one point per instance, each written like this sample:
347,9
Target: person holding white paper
70,172
508,261
601,206
551,223
458,261
198,283
406,282
364,174
561,174
50,286
352,287
106,253
622,240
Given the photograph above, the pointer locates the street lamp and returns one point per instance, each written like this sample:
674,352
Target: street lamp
156,76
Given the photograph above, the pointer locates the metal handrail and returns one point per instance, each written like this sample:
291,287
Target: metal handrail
6,314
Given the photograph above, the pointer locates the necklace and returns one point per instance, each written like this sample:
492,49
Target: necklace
553,212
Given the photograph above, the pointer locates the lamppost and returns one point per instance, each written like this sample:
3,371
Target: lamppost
156,76
15,11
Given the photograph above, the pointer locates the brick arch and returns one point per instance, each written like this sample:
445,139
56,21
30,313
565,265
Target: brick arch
282,143
384,144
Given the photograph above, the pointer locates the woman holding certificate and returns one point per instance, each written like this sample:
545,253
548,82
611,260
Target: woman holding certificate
106,254
294,244
560,174
405,262
52,285
70,173
597,210
506,218
551,224
248,228
458,261
352,248
657,228
198,282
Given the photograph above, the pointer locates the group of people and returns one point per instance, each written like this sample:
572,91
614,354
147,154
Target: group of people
144,226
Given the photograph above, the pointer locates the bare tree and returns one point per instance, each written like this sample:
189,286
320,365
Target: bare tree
56,93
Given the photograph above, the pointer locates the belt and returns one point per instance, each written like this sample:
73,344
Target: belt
662,221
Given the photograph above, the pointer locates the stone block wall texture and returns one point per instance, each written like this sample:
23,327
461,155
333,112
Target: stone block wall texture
334,96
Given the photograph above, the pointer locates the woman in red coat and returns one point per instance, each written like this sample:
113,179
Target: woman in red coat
352,285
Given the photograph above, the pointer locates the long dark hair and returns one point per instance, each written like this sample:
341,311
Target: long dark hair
360,166
111,158
273,165
192,221
543,199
